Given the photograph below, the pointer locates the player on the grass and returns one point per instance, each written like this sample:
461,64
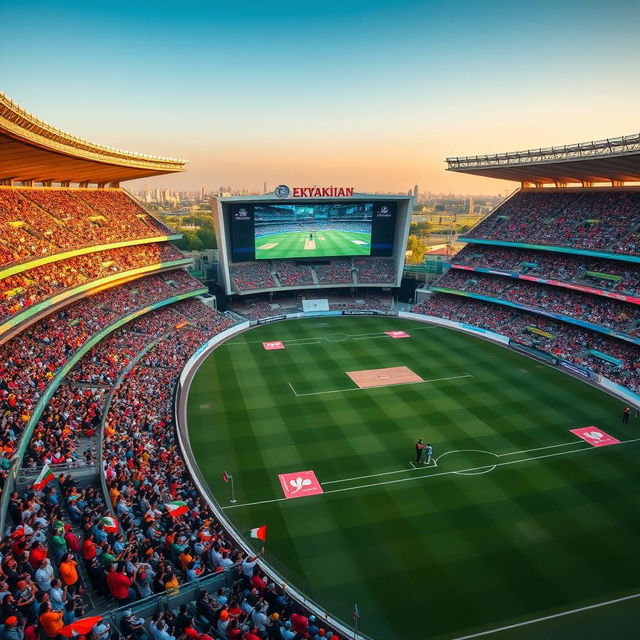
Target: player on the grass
310,236
419,450
428,450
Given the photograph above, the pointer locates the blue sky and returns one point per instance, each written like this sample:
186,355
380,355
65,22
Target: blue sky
373,94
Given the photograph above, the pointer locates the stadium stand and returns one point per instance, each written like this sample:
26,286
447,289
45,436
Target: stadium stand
595,221
375,270
249,276
39,222
25,289
337,271
610,275
292,274
621,316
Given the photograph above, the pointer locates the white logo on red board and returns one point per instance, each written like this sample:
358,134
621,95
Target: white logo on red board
299,484
272,346
595,436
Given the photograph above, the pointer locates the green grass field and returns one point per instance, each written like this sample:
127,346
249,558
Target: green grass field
327,243
519,520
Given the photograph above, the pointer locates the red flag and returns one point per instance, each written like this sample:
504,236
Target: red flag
260,533
82,626
226,476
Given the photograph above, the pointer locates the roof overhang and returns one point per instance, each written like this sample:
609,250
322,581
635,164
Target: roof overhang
34,151
615,161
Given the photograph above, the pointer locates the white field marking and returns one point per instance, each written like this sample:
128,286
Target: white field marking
250,504
319,339
570,612
486,469
431,475
386,386
551,446
463,471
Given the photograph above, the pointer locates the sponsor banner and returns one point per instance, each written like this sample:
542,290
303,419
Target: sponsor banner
525,348
397,334
358,312
271,319
316,314
582,371
595,436
300,484
273,346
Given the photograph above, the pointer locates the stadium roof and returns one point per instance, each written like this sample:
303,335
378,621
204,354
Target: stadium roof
32,150
614,160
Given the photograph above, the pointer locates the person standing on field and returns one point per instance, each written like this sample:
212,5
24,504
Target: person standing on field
625,415
419,450
428,450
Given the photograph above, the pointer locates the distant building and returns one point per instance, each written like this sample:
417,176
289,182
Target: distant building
415,192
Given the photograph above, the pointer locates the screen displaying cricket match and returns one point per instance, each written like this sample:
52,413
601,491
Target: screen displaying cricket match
312,230
267,231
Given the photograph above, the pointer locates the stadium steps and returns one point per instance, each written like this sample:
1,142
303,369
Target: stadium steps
314,275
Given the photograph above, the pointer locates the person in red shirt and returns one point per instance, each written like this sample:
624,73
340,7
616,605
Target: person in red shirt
120,585
89,550
299,623
37,554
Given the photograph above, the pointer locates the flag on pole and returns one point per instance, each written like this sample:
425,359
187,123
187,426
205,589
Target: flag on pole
356,613
227,477
110,524
45,477
80,627
176,508
260,533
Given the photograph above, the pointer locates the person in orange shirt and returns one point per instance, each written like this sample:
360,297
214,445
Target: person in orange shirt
51,621
68,572
114,494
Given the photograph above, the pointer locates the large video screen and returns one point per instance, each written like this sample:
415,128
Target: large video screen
312,230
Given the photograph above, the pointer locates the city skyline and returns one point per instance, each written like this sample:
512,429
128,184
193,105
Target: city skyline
373,95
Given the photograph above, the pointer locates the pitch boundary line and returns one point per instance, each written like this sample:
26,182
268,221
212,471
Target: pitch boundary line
386,386
430,475
463,471
320,339
570,612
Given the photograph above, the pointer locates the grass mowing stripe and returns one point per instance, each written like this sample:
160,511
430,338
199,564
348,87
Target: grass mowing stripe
433,541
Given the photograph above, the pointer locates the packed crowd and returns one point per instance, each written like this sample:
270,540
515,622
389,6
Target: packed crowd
567,341
375,270
620,316
592,220
39,222
292,274
252,275
31,360
591,272
337,271
23,290
362,301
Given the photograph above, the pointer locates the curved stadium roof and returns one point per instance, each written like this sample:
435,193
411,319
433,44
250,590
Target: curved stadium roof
32,150
614,160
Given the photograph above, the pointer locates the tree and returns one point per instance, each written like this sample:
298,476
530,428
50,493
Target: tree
189,242
416,249
208,238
